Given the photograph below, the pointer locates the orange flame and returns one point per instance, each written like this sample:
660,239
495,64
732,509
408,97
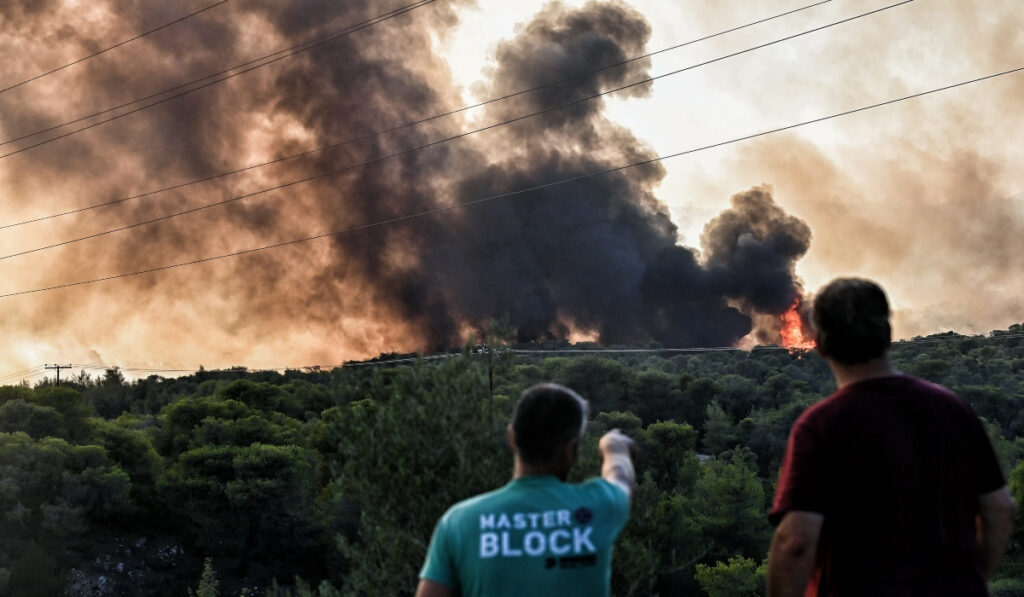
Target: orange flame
791,329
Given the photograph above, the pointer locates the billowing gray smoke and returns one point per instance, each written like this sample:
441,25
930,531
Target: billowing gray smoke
597,256
751,249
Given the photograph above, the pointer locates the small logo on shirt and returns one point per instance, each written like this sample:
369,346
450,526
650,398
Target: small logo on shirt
583,515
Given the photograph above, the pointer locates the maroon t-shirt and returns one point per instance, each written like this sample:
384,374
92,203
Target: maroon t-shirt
895,465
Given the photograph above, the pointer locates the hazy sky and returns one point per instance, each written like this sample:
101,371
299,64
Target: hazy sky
925,196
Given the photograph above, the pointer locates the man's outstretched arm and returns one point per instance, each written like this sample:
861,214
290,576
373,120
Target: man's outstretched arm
791,557
617,460
995,517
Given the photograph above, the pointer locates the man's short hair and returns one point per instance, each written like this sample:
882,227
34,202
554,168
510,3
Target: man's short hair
547,416
851,316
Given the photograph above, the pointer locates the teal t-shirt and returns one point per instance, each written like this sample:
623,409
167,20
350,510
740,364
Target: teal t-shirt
535,536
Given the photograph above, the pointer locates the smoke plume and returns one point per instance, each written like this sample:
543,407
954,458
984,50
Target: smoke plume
598,257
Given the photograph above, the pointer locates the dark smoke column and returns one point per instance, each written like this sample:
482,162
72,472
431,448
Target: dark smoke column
600,255
751,250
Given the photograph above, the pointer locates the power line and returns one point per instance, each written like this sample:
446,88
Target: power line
440,141
24,371
417,358
20,379
31,372
94,367
117,45
413,123
518,351
633,350
286,53
482,200
759,347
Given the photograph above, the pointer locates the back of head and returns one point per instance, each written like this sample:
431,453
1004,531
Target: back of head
547,417
851,316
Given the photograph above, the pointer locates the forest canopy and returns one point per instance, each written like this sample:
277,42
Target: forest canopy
323,482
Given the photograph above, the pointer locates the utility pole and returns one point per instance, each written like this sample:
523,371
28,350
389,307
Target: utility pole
58,368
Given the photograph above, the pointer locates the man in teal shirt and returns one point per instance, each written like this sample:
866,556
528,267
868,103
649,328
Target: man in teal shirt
538,535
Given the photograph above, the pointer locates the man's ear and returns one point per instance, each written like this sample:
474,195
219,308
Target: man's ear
819,343
511,435
572,450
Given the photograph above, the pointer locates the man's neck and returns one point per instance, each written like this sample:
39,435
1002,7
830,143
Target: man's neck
848,374
522,469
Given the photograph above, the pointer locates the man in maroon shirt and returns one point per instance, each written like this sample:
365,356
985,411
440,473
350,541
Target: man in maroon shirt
889,486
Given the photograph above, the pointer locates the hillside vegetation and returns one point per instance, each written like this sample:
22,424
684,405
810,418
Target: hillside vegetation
330,482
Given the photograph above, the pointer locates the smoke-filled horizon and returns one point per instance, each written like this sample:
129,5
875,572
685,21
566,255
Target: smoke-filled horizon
598,258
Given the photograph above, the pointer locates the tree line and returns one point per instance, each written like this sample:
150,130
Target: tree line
329,482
